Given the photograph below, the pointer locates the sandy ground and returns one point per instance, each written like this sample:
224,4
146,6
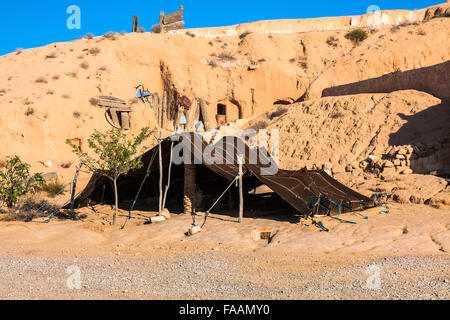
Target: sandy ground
407,250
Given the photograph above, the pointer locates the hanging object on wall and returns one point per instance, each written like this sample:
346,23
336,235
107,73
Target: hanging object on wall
143,94
117,111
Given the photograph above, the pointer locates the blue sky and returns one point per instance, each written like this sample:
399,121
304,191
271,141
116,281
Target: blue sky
32,23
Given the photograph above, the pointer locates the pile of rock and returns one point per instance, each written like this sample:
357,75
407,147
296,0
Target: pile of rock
397,159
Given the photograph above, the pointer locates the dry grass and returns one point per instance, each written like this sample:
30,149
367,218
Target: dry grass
226,56
103,68
29,111
41,80
51,55
212,63
26,209
332,41
54,186
50,92
94,51
66,164
421,33
395,28
156,28
244,34
259,125
190,34
77,115
66,96
90,36
56,77
110,35
277,113
336,115
72,74
84,65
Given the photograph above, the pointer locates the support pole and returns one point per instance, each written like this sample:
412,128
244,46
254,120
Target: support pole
189,188
74,187
160,174
135,23
168,178
241,193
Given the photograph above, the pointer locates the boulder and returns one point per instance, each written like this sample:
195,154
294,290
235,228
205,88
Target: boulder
387,164
157,219
50,176
389,170
406,171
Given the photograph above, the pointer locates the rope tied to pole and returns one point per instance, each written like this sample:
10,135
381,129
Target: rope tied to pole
203,221
147,174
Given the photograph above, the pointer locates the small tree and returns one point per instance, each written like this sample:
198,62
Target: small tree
357,35
16,181
116,155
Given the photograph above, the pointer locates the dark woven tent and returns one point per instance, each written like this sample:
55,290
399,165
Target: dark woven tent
308,192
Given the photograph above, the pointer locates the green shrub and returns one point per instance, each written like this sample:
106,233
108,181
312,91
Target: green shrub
357,35
16,181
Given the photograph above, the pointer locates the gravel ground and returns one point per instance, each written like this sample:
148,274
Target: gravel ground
225,275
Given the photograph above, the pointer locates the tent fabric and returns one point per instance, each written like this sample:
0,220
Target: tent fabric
309,192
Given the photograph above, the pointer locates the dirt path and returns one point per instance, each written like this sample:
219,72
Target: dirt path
402,255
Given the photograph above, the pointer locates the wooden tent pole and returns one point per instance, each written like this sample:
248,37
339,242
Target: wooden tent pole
241,193
160,174
168,179
74,187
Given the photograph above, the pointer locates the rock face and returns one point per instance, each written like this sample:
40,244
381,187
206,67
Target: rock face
371,20
418,189
346,130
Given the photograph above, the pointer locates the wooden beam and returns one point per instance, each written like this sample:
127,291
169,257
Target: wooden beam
74,187
241,193
135,23
160,174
